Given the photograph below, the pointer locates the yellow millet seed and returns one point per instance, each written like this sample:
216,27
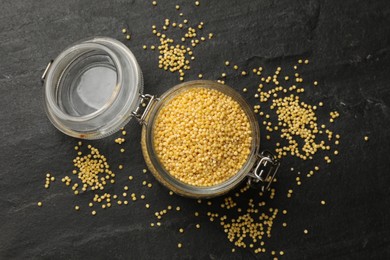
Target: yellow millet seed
195,135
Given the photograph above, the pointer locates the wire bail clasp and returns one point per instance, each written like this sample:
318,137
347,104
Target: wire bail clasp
147,101
264,171
43,77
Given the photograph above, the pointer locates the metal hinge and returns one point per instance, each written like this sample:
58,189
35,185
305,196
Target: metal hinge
146,101
264,171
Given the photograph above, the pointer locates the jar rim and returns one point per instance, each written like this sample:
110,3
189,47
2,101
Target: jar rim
50,97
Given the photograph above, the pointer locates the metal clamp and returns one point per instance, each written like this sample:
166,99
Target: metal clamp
264,171
46,70
147,99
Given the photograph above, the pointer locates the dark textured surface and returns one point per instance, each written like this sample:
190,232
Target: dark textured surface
348,44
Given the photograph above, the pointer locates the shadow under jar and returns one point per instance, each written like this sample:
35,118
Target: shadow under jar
94,87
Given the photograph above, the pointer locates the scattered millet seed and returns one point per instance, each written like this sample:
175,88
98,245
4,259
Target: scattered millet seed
76,208
200,76
174,57
122,150
197,3
181,230
147,206
179,245
170,192
154,3
120,167
128,37
366,138
323,202
119,140
197,226
93,213
39,204
227,63
305,231
244,90
177,7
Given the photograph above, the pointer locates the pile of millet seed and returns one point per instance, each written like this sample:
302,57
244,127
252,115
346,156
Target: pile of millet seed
202,136
175,57
92,173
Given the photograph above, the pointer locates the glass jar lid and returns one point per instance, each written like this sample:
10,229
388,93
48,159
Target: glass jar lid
92,87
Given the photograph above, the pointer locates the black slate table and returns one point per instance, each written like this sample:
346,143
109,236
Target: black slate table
348,45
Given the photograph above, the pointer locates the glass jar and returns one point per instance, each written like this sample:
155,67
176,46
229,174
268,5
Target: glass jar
259,168
94,88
